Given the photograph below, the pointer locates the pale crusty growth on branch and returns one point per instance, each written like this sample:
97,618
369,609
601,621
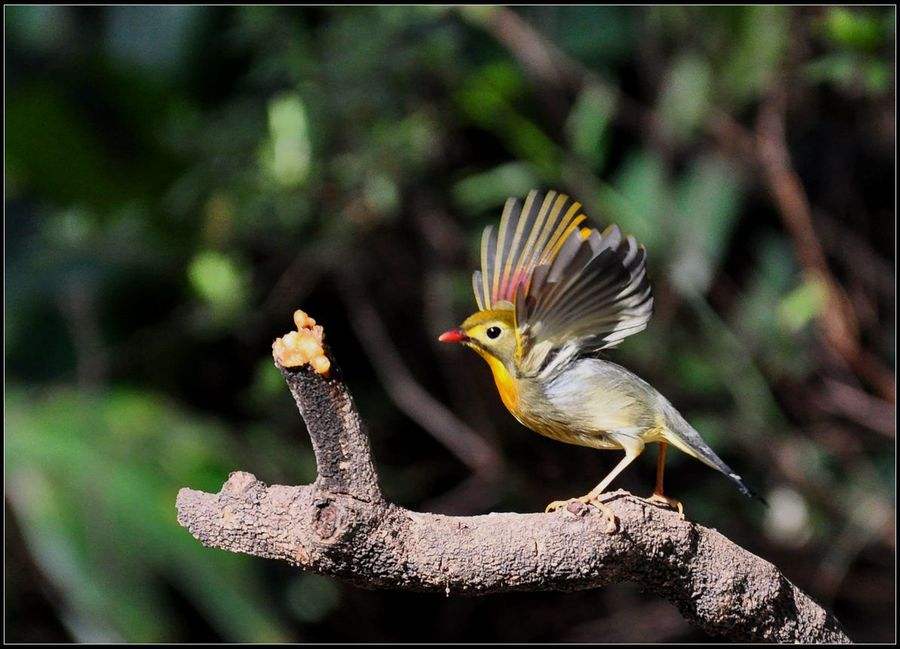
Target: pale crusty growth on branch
342,526
303,346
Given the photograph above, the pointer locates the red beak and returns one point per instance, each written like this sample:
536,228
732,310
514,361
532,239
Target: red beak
453,336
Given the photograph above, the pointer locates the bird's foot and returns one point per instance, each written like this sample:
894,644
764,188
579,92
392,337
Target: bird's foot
665,501
611,520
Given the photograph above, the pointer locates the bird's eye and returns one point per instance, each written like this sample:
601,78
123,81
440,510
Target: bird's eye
493,332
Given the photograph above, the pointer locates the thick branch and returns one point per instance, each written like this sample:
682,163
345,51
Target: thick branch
341,526
339,442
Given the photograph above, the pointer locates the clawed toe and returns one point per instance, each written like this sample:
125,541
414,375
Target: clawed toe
612,521
671,503
555,505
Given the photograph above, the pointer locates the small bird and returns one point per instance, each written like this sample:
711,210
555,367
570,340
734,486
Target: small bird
552,293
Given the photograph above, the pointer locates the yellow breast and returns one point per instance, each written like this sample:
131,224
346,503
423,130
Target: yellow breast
507,385
511,394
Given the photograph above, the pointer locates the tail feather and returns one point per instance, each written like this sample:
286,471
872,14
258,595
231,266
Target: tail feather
683,436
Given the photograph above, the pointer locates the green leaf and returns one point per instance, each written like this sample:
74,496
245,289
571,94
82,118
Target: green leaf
92,482
488,100
219,281
488,92
588,125
856,29
686,96
760,43
490,189
381,193
802,305
837,67
639,197
758,317
707,202
698,373
877,75
287,154
757,309
40,27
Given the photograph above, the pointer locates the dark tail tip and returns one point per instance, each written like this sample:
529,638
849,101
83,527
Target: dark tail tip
746,490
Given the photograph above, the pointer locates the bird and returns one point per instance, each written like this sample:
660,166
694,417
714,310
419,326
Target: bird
553,292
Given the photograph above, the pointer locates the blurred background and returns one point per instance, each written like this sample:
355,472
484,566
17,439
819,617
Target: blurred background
180,179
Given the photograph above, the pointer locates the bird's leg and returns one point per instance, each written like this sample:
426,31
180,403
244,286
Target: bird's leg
658,495
633,446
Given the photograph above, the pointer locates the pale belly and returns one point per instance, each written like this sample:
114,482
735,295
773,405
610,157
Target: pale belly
584,412
546,420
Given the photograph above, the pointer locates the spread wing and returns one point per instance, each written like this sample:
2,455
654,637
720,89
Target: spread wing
569,285
594,293
530,235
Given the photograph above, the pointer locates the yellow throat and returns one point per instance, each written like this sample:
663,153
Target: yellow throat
507,385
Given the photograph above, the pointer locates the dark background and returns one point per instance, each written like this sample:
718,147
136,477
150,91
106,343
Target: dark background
179,179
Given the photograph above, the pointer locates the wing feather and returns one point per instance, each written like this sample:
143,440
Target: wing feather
488,248
530,234
596,292
568,284
512,253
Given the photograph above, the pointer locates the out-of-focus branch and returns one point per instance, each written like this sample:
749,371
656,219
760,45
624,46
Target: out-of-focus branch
767,149
850,247
341,526
785,453
92,359
841,399
435,418
837,319
550,67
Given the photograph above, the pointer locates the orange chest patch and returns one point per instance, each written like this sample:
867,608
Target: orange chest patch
506,384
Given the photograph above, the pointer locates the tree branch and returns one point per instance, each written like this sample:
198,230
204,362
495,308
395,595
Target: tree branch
343,527
340,445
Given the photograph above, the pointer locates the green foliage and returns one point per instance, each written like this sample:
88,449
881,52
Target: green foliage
802,305
219,282
180,178
856,29
92,479
684,102
707,200
588,125
489,99
490,189
51,150
286,153
773,310
760,40
641,199
854,38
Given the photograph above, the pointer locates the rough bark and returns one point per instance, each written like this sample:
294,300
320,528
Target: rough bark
342,526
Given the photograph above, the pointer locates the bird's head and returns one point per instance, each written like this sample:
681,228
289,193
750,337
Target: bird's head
491,333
